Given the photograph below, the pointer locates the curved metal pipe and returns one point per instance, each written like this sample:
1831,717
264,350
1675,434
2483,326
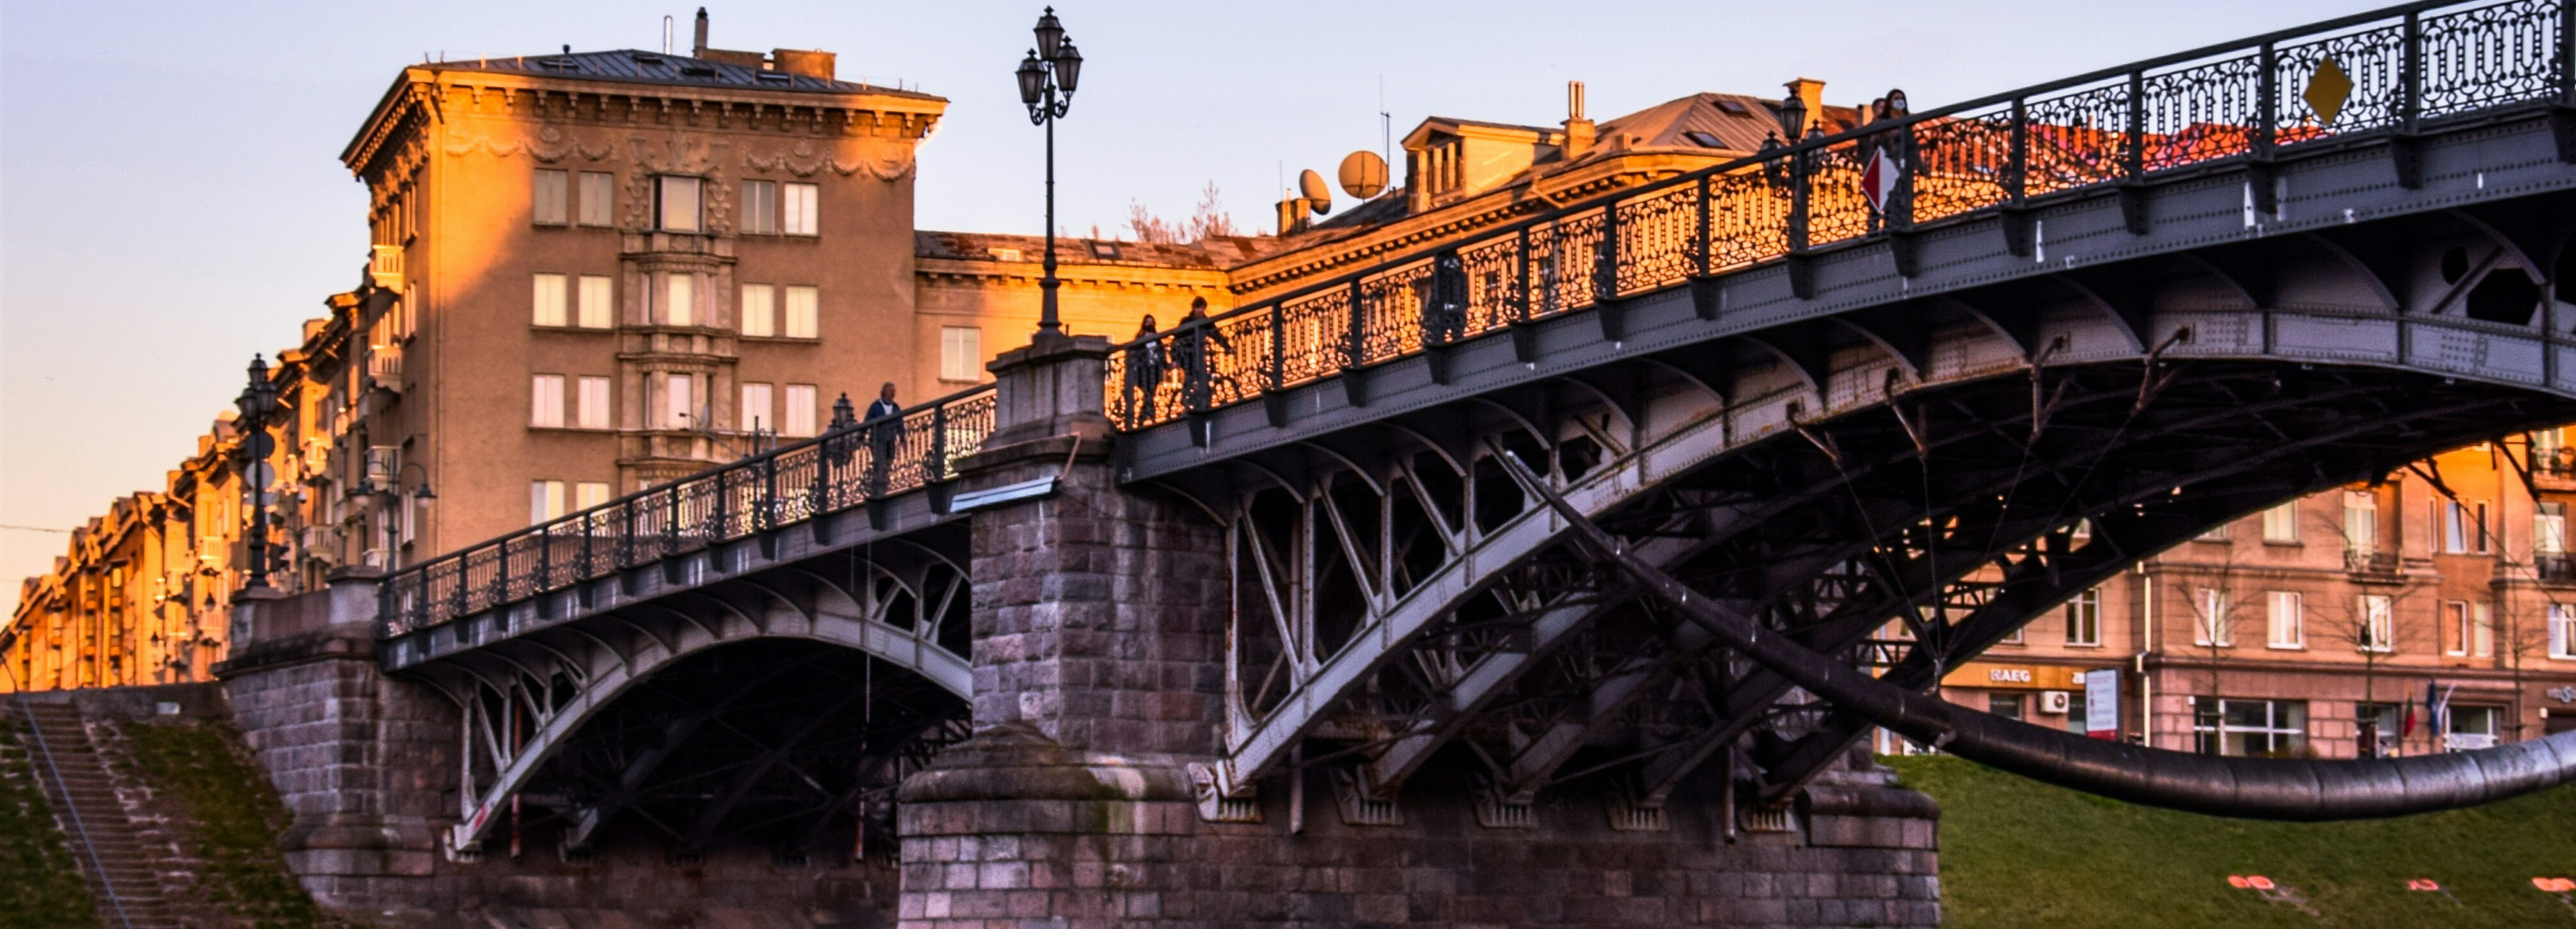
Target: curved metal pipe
2254,788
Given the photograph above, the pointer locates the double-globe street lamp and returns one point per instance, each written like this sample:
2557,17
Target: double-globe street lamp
1047,77
258,404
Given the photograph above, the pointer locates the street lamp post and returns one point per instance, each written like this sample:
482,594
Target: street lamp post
258,403
1047,78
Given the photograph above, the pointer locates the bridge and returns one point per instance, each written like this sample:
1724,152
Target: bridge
1935,374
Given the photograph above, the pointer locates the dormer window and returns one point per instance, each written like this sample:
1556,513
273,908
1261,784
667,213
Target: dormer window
643,59
1704,140
1104,251
776,77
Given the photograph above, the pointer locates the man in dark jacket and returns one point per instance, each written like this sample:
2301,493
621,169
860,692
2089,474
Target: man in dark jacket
884,423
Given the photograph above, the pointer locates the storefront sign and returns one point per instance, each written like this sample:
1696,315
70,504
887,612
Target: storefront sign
2563,694
1989,675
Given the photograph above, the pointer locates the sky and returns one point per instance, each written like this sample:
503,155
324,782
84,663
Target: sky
171,199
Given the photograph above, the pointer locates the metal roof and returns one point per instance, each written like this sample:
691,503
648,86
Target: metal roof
642,67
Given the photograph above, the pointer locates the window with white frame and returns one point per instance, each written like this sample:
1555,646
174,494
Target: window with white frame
589,494
598,198
677,402
552,198
759,310
2562,630
2455,528
2281,523
799,213
546,401
679,300
590,403
759,208
804,309
2217,533
2210,626
757,414
2084,618
961,353
675,203
2549,529
797,419
2469,728
2482,630
2481,535
2455,632
2249,727
545,501
2377,624
2360,522
549,300
595,311
2284,627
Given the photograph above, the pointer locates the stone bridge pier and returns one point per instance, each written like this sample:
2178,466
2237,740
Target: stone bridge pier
1099,640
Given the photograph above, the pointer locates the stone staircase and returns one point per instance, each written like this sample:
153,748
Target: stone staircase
103,839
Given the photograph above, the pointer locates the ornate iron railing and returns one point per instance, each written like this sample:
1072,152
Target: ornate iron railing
843,468
2386,71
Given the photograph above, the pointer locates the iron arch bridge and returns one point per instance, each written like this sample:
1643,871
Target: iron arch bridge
1884,395
1934,375
654,656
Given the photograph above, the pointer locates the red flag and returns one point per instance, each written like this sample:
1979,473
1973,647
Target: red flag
1878,180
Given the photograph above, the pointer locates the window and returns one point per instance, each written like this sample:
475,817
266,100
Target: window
675,204
798,212
2360,522
798,418
2075,710
545,501
546,401
2281,524
598,198
553,198
2455,529
549,299
676,404
2455,634
2385,722
594,306
803,310
589,494
591,406
961,353
2007,706
2478,534
756,413
2283,626
2249,727
2549,529
2211,627
759,310
679,298
2470,728
2084,618
2562,631
2378,626
2481,630
2217,533
760,207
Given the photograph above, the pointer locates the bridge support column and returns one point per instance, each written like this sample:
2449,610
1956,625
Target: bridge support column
361,760
1099,616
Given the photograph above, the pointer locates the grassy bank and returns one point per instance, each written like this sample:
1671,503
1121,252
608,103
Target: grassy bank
40,887
233,819
2020,854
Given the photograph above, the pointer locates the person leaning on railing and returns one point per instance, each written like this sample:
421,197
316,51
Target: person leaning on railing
1144,364
1194,344
1444,309
884,424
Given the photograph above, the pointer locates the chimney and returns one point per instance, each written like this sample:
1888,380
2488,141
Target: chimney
824,65
1810,93
1295,214
699,50
1579,131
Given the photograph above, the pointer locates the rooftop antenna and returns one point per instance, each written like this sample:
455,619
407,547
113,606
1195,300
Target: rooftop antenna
1385,121
666,35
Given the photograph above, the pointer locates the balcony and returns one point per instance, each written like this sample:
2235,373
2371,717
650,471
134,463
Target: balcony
2369,564
2554,569
384,366
385,267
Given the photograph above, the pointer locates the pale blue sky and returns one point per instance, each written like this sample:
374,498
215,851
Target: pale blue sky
170,199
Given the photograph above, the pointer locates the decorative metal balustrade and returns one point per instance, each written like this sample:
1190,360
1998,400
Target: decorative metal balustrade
2388,71
847,466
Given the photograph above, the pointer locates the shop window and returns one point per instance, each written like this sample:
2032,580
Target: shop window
2249,727
2470,728
2384,722
2008,706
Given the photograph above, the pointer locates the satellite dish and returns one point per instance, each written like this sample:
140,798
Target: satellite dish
1363,174
1310,185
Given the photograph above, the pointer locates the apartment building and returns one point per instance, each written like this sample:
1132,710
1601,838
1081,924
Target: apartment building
2432,611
